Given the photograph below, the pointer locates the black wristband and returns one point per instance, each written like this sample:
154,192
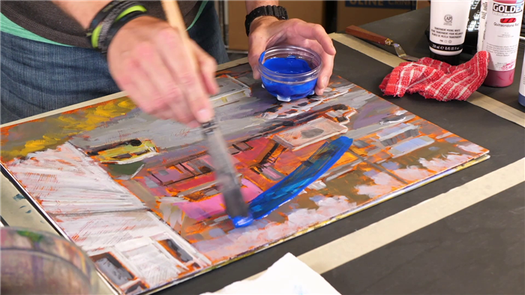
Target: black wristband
103,22
101,15
108,22
270,10
117,26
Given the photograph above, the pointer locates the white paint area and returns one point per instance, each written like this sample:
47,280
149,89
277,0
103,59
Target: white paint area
103,217
384,184
413,173
439,164
135,240
65,181
470,147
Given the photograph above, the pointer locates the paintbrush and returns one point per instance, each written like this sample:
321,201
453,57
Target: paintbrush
225,172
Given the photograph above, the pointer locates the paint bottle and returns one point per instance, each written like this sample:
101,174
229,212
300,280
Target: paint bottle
448,24
521,98
500,37
482,23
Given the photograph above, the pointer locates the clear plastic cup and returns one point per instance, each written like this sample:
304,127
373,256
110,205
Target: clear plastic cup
290,86
35,262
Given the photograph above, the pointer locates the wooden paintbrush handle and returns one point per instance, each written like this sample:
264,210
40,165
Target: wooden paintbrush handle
173,15
367,35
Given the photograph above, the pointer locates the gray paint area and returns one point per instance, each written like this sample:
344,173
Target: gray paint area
243,115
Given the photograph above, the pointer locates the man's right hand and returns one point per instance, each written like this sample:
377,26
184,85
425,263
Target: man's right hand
148,60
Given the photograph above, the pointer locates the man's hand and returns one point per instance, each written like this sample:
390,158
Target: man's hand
148,61
267,31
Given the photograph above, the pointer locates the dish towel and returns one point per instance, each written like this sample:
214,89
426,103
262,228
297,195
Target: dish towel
434,79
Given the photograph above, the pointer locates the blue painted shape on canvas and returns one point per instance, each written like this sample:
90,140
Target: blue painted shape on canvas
288,188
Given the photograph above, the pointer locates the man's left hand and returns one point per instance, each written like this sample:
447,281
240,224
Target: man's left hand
268,31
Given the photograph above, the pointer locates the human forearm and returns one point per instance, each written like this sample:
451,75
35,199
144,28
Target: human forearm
82,11
252,4
148,59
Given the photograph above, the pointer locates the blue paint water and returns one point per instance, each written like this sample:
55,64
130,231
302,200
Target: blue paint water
288,188
287,89
287,65
521,99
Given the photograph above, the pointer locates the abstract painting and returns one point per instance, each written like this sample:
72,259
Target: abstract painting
138,194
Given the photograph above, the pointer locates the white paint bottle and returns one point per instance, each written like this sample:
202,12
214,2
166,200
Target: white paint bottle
448,25
500,38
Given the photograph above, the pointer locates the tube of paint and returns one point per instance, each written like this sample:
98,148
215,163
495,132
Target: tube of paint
448,24
501,39
482,22
521,98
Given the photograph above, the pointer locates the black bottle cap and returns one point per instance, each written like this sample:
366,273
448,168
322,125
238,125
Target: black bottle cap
450,59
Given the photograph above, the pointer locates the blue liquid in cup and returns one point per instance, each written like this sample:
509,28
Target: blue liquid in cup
289,90
287,65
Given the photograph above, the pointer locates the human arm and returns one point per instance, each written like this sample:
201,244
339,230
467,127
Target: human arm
146,59
267,31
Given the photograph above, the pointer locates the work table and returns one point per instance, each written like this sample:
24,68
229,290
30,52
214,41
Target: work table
464,233
477,250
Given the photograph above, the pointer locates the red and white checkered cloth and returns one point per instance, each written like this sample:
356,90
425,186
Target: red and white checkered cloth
438,80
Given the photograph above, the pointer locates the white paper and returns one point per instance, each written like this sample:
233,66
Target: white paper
287,276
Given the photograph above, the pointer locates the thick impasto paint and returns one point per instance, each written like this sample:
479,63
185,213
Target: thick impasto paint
138,194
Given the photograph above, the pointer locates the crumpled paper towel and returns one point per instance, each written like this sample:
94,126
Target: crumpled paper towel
288,275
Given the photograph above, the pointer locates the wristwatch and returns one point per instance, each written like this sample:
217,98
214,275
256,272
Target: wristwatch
270,10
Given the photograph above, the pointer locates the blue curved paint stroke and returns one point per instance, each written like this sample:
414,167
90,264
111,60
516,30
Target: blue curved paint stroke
288,188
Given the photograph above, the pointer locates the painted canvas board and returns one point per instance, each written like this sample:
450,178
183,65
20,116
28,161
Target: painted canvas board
138,194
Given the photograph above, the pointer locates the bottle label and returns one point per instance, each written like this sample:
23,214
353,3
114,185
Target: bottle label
445,47
448,23
502,31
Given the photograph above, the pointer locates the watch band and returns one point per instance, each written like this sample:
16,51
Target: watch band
270,10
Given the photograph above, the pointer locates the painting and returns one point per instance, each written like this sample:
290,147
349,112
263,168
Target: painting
138,194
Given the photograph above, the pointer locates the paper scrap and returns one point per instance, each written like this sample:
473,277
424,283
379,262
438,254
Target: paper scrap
288,275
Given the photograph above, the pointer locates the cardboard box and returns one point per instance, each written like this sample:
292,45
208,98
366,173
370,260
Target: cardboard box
309,11
360,12
422,4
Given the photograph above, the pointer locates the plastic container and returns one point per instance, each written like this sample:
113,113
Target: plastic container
42,263
291,73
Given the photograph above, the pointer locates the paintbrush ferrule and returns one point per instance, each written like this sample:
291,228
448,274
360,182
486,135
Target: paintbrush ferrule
226,175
